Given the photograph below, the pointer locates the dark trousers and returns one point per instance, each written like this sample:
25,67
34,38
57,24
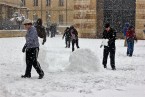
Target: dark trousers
31,60
130,47
67,42
53,33
107,51
75,41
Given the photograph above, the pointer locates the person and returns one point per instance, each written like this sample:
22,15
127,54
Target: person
130,36
53,30
47,30
125,29
67,36
40,30
110,35
74,37
31,48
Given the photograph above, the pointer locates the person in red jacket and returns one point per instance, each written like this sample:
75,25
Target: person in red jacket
130,36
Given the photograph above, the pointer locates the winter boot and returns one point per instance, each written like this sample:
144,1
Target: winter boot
25,76
105,66
41,75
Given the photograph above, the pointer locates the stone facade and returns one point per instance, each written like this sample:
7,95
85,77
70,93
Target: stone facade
85,17
140,18
12,33
7,9
80,13
54,13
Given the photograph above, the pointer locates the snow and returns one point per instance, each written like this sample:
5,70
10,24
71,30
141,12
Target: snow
127,81
84,60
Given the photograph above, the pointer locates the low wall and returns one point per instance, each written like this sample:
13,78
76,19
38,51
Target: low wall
12,33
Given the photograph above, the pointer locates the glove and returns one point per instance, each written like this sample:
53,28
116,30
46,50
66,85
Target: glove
24,48
101,46
135,39
44,40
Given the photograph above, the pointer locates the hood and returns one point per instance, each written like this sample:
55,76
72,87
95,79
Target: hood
127,24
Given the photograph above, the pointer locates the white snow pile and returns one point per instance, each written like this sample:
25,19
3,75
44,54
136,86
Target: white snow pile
84,60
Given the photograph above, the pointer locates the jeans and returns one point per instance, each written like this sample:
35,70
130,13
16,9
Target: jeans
130,47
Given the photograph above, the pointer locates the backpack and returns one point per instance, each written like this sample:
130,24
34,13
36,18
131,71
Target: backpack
41,31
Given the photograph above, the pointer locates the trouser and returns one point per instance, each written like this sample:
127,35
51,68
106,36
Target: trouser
52,34
75,41
67,42
106,52
130,47
31,60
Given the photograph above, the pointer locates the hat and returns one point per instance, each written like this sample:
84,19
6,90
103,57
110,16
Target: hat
27,21
107,25
71,26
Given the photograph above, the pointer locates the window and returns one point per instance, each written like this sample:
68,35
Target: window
35,2
61,2
60,19
23,2
48,2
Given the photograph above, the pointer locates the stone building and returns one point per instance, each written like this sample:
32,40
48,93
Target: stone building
85,17
7,9
140,19
54,11
80,13
88,16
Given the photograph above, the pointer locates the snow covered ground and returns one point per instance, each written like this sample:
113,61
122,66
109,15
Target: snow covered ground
63,79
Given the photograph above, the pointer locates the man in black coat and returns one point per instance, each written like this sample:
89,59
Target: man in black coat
74,37
110,34
40,30
67,36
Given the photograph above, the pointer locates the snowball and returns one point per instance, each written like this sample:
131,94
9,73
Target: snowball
84,60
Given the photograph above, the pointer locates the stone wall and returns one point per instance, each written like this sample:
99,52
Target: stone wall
12,33
85,18
54,10
140,18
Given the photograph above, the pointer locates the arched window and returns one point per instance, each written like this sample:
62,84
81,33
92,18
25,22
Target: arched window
35,2
48,2
61,2
23,2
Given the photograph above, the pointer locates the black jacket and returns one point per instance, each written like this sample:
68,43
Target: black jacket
111,36
74,33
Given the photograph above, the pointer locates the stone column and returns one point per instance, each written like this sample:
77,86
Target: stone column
140,19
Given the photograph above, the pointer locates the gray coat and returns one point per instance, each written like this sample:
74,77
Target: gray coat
32,38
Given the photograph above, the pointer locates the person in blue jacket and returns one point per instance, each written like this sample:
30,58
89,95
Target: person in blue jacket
31,48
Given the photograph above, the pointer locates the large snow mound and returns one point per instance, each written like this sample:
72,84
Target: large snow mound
84,60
